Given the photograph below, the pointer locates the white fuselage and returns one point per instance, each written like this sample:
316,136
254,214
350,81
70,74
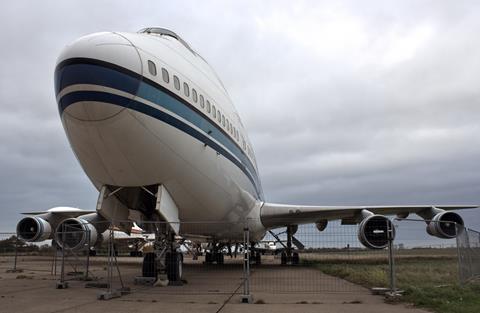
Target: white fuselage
129,125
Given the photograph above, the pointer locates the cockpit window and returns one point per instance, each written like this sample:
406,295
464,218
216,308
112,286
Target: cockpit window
165,32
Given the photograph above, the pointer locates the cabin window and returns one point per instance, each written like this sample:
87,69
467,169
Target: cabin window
176,82
186,89
214,112
228,125
165,76
152,68
223,120
208,106
202,102
219,116
194,95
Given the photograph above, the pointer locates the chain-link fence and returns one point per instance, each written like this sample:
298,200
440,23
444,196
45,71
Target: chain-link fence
330,260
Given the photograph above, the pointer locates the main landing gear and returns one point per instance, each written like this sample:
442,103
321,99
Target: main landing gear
165,260
288,256
215,255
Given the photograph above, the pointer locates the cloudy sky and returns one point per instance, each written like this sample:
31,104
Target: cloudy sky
352,102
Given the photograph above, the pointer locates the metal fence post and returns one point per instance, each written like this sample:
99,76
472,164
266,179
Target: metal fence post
16,254
87,265
15,260
459,257
62,284
246,297
391,260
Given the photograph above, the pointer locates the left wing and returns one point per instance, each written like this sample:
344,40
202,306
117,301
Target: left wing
278,215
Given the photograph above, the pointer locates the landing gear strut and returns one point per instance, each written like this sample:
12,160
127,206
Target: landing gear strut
288,256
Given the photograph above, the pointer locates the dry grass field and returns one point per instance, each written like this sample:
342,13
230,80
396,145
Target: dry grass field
428,277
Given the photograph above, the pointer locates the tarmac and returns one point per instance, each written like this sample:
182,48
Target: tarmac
211,289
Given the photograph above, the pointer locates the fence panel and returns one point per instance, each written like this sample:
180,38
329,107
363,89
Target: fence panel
332,260
325,258
421,260
468,243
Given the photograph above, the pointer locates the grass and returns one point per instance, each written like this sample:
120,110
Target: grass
430,283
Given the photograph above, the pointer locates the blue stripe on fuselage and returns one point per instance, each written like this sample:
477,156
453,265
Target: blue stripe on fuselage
119,78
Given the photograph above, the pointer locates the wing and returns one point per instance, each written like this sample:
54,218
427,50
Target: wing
277,215
61,212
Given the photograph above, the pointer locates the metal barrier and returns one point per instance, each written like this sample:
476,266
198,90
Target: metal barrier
332,260
468,243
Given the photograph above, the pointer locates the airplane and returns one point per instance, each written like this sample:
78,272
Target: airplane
156,132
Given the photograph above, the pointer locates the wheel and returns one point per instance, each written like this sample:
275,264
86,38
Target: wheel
219,258
284,258
135,253
208,258
174,264
258,258
149,267
295,259
92,252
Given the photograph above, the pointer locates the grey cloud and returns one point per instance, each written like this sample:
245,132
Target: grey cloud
330,121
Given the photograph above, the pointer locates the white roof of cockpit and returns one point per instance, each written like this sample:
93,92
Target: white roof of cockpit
159,31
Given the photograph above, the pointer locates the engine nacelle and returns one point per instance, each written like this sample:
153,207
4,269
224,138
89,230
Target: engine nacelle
321,225
373,231
33,228
76,233
444,225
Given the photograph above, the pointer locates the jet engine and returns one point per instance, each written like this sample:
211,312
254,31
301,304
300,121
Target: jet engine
76,233
373,231
444,225
33,228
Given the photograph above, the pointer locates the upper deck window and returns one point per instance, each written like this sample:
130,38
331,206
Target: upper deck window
165,76
208,106
202,102
176,82
194,95
186,89
152,68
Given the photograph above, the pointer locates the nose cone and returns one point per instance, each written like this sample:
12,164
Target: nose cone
96,76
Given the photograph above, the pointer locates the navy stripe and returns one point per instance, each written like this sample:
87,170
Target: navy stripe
98,96
91,71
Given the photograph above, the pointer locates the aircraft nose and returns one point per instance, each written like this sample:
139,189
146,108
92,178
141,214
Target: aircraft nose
96,76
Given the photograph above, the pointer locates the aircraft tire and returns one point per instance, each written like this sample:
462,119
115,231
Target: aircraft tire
149,267
208,258
258,258
283,258
295,259
220,258
174,262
